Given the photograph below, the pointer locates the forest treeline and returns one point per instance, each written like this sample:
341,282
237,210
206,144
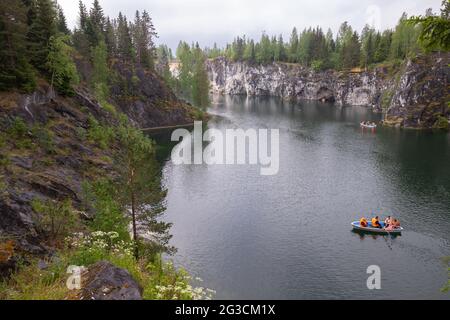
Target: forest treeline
348,49
35,42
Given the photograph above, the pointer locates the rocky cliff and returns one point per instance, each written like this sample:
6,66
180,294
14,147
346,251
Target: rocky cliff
414,94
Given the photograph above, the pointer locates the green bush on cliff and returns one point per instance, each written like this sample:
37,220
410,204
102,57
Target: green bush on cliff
44,138
99,134
102,198
55,219
441,123
18,132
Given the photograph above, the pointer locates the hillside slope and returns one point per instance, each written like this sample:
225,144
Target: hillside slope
50,144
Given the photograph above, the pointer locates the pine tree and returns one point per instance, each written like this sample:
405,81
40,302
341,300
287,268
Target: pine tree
42,30
184,55
110,38
280,50
124,42
100,72
61,21
164,56
293,46
15,69
95,25
367,46
144,33
141,190
80,38
249,52
83,16
265,53
200,81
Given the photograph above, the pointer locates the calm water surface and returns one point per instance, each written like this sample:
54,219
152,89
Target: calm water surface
288,236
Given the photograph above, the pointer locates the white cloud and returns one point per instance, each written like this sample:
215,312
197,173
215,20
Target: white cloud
210,21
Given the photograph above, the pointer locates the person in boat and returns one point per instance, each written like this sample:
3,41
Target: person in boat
395,224
387,222
363,223
376,223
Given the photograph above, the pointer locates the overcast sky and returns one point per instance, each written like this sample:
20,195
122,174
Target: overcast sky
209,21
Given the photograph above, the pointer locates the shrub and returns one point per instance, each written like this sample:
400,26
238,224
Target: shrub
56,219
109,215
18,128
101,135
44,138
441,123
97,246
168,283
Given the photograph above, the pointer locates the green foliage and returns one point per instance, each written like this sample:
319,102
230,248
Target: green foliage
60,65
143,33
4,160
97,246
19,133
42,29
193,83
99,134
441,123
100,72
317,65
30,282
55,219
140,188
15,68
164,56
18,128
435,30
44,138
124,40
109,216
404,39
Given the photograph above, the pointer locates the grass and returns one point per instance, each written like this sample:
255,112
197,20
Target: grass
32,283
158,280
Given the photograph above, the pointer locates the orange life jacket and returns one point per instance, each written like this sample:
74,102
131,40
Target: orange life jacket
375,222
363,222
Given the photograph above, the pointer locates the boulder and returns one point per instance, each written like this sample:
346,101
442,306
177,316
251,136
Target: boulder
104,281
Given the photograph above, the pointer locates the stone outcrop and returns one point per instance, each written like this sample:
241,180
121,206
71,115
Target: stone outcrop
104,281
414,95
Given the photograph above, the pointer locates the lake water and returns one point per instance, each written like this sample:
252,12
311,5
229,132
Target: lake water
288,236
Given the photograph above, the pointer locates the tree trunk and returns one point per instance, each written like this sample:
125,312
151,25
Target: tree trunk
133,214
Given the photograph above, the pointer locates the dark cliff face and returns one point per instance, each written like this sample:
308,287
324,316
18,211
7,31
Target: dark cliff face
29,170
146,99
414,96
421,94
